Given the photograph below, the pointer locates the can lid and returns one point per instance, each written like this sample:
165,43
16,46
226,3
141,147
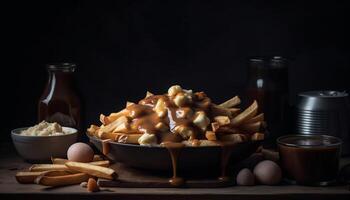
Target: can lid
324,94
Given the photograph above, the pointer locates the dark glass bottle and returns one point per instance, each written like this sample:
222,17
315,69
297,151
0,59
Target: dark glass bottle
256,88
268,84
59,101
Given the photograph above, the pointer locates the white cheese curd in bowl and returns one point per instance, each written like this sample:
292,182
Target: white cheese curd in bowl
43,141
44,129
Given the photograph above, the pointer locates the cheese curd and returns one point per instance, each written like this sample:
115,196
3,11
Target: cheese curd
44,129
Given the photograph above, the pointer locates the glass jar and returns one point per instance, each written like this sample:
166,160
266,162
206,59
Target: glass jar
59,101
268,84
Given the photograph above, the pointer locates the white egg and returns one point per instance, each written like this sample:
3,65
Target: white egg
80,152
245,177
268,172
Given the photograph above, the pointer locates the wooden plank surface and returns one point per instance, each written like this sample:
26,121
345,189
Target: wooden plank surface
10,189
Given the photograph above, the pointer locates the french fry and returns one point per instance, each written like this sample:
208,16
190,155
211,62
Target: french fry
222,120
47,167
97,158
220,111
122,128
226,129
128,103
236,138
29,177
210,135
148,94
102,163
234,101
92,185
203,143
92,130
104,120
108,135
114,116
234,111
110,127
252,127
58,160
215,126
222,129
195,143
257,136
48,179
93,170
129,138
258,118
247,114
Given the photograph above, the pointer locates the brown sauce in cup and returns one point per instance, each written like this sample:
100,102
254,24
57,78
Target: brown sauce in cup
310,159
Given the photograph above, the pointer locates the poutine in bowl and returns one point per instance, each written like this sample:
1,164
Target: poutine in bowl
139,134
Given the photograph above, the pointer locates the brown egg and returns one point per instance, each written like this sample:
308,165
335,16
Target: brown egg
80,152
245,177
268,172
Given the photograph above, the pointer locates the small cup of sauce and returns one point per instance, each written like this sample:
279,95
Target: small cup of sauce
310,159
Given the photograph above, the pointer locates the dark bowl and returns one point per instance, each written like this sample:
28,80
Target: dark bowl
158,158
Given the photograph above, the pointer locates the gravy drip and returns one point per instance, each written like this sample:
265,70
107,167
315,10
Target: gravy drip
174,151
105,147
226,151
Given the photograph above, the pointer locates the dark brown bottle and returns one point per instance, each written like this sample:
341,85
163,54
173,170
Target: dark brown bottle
268,84
256,88
59,101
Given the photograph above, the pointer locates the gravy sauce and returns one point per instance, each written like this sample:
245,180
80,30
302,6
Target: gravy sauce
174,151
144,119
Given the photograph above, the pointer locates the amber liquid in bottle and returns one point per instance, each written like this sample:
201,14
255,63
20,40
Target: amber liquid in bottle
59,102
268,84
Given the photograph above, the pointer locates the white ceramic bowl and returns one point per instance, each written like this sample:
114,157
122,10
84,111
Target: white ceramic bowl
41,148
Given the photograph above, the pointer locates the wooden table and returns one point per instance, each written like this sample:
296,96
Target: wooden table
10,163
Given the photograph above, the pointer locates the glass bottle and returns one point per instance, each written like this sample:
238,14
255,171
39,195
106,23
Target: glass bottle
268,84
59,101
256,88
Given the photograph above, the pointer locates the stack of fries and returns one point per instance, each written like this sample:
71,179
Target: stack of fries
188,117
64,172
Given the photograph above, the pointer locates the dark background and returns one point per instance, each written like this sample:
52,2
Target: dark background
124,48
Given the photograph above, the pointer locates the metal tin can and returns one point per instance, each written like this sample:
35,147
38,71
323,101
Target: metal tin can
324,113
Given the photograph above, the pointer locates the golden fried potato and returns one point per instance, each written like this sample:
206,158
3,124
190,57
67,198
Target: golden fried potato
258,118
210,135
247,114
236,138
234,101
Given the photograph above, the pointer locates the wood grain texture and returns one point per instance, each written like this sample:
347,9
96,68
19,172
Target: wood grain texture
10,189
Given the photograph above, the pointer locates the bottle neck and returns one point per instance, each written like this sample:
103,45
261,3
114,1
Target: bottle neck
59,79
257,73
